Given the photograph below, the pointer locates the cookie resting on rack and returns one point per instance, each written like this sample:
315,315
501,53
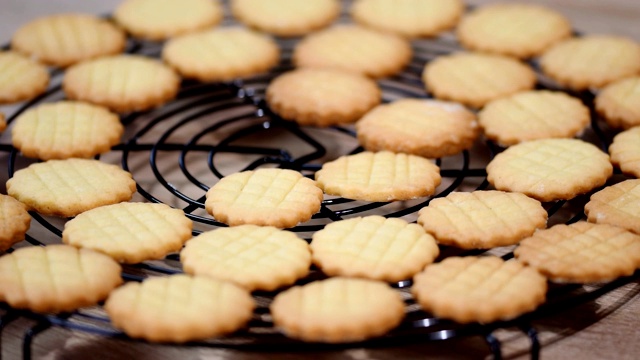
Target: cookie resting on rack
20,78
625,151
619,103
14,221
617,205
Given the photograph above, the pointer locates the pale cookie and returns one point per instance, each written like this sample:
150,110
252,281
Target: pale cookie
413,18
550,169
519,30
532,115
20,78
582,252
267,197
322,97
482,219
65,39
122,83
130,232
56,278
428,128
66,129
625,151
479,289
373,247
619,103
14,221
354,48
286,17
474,79
179,308
254,257
338,310
162,19
591,61
381,176
222,54
68,187
617,205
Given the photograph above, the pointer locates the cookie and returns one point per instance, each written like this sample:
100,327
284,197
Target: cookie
373,247
130,232
513,29
123,83
267,197
14,221
286,18
162,19
625,151
65,39
413,18
482,219
533,115
222,54
380,176
428,128
3,122
474,79
581,252
619,103
68,187
550,169
479,289
337,310
322,97
254,257
617,205
354,48
179,308
20,78
66,129
56,278
591,61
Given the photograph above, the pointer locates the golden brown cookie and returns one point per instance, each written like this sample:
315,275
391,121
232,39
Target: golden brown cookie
617,205
3,122
619,103
20,78
625,151
14,221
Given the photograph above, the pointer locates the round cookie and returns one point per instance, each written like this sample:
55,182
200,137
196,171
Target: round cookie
474,79
354,48
625,151
221,54
428,128
14,221
617,205
322,97
591,61
123,83
619,103
65,39
533,115
20,78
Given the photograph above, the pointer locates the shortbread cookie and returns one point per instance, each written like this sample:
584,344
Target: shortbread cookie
582,252
68,187
591,61
286,17
65,39
267,197
428,128
130,232
619,103
122,83
222,54
337,310
617,205
514,29
373,247
322,97
625,151
354,48
381,176
254,257
179,308
482,219
162,19
550,169
66,129
474,79
20,78
14,221
479,289
533,115
56,278
413,18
